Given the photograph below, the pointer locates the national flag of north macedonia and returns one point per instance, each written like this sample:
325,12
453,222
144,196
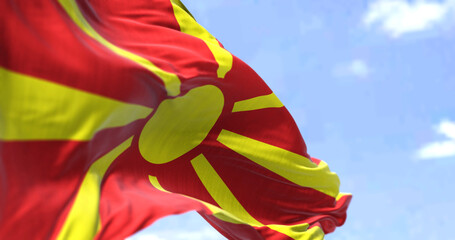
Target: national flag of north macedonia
114,114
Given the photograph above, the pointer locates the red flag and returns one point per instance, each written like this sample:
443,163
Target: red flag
114,114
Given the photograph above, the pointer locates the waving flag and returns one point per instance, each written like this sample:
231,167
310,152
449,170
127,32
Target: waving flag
114,114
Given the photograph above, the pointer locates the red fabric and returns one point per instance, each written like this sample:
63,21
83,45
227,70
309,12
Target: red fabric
39,179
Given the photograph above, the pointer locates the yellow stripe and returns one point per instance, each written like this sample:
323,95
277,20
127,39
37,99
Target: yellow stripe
219,191
261,102
294,167
298,231
293,231
154,181
314,233
83,221
223,215
180,4
340,195
170,80
216,211
36,109
189,26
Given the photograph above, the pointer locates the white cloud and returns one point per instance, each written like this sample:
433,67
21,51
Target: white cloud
447,128
357,68
440,149
397,17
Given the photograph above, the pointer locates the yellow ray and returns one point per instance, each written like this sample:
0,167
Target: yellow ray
154,181
189,26
170,80
340,195
83,220
297,231
231,209
294,167
36,109
216,211
219,191
260,102
223,215
224,195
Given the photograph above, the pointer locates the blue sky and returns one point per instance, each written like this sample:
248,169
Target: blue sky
371,85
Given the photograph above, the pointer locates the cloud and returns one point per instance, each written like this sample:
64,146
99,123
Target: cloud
440,149
357,68
398,17
447,128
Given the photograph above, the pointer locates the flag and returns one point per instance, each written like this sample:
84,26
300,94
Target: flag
114,114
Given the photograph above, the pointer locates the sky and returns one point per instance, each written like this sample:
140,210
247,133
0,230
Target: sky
371,85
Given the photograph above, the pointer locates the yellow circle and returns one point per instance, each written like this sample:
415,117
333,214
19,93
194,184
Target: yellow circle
180,124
